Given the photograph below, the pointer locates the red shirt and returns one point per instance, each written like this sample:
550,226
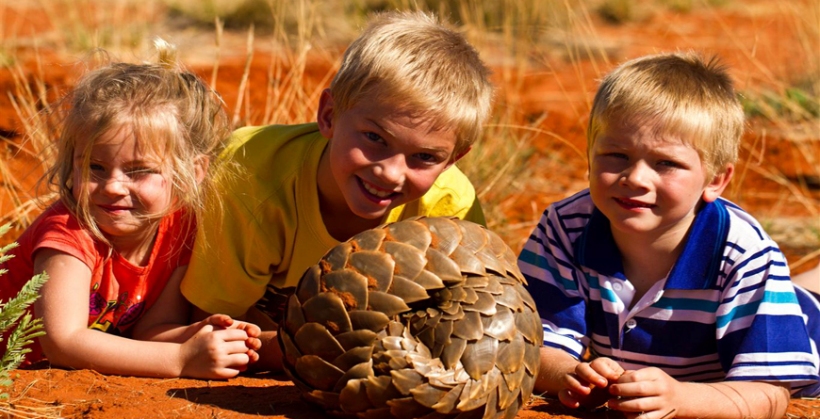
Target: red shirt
120,292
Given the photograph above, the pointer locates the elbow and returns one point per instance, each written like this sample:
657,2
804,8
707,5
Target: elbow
59,351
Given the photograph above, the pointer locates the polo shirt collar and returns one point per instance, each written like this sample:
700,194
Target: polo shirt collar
696,268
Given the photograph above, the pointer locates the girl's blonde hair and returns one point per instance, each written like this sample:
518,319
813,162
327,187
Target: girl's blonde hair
168,110
412,60
680,94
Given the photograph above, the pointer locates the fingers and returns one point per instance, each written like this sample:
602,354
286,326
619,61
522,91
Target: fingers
249,328
219,320
586,372
237,337
607,368
568,399
648,393
253,356
253,344
645,382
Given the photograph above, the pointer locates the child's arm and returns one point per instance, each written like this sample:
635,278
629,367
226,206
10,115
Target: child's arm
168,318
652,394
68,342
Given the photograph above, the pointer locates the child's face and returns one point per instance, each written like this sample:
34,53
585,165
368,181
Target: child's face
127,188
379,156
649,183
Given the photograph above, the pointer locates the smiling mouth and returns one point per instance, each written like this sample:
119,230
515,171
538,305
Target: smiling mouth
113,208
373,190
632,204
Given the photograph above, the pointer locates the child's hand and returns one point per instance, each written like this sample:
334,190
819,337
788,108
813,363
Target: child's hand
215,353
649,393
223,321
587,385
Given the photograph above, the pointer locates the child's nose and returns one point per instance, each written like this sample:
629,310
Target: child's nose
115,185
636,175
392,169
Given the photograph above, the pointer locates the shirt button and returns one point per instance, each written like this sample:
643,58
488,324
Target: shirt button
617,286
631,323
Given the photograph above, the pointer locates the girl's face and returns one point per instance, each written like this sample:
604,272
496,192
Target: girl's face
128,188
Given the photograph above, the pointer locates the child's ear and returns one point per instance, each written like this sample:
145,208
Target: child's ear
324,116
201,168
718,184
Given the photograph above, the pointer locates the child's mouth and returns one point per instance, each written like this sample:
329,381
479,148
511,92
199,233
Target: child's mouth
375,191
113,208
632,204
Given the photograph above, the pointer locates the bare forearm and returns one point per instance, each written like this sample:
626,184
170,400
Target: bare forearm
169,332
555,364
109,354
735,400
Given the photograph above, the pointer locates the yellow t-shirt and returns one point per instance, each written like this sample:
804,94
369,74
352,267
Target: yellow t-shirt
270,229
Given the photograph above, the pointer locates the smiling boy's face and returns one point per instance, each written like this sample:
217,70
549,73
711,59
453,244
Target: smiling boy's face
379,156
649,183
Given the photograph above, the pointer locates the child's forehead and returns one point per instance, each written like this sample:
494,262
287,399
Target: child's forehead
656,127
386,111
125,138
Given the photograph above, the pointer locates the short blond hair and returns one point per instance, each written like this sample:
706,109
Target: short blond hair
414,60
680,93
168,110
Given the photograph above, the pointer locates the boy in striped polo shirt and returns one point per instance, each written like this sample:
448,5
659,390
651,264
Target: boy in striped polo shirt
658,297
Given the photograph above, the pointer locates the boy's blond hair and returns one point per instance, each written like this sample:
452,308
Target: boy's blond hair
168,110
412,60
680,94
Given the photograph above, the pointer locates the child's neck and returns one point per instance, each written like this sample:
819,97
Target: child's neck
648,259
344,224
136,250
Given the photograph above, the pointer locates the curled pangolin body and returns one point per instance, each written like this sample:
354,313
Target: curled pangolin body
424,318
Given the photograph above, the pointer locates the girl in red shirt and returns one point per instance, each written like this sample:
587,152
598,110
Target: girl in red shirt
132,166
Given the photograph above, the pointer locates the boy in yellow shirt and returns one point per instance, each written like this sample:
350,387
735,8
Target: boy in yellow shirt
410,98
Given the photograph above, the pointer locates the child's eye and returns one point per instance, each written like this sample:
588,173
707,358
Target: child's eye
94,167
427,158
372,136
668,164
141,171
617,156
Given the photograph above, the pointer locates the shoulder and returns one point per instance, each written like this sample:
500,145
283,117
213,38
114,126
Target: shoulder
58,229
258,143
562,224
268,160
570,214
577,204
750,255
745,232
453,178
451,184
57,221
451,194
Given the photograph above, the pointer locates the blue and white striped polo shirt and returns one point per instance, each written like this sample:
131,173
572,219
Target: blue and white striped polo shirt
727,310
